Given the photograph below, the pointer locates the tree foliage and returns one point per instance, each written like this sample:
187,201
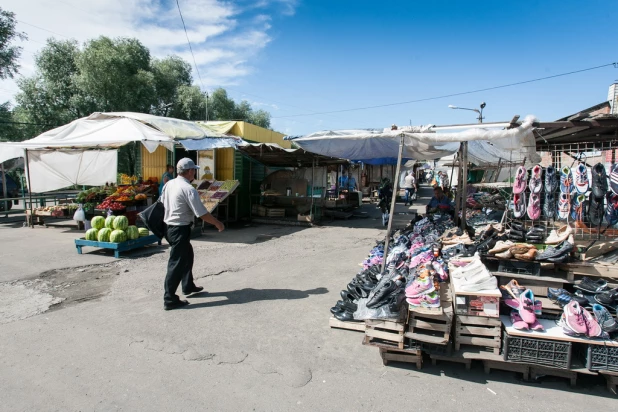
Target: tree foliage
9,53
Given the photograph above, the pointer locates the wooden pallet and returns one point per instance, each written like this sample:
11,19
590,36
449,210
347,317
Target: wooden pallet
390,355
478,331
612,380
384,331
524,369
338,324
434,329
536,371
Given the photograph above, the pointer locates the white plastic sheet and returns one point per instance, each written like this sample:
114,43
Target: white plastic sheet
57,169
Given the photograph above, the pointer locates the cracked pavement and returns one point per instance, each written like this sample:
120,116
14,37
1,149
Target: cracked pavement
258,339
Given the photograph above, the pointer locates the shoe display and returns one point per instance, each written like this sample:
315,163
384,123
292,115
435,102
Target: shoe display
564,206
558,236
537,326
429,300
521,248
592,286
611,212
595,210
345,316
384,293
605,319
549,207
534,206
514,289
559,253
517,226
504,255
599,181
501,246
578,208
613,178
519,205
520,180
593,329
420,287
607,298
518,322
566,180
526,306
574,319
559,296
580,178
551,180
536,182
529,256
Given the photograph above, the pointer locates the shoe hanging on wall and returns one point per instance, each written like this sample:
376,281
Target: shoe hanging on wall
536,181
519,186
599,181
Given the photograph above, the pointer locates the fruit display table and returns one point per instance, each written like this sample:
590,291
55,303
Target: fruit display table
117,247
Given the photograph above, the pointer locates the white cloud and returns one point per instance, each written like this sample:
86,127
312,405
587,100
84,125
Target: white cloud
225,36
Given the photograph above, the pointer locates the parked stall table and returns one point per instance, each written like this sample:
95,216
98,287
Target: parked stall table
117,247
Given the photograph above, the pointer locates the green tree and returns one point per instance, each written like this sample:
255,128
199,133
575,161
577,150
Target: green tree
189,104
170,76
9,54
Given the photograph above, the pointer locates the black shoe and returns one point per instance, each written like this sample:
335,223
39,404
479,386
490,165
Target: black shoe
384,294
195,289
559,259
607,298
517,233
591,286
345,316
599,181
596,210
357,291
175,305
346,296
336,309
517,226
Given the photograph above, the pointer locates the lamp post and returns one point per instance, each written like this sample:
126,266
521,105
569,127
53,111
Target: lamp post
463,183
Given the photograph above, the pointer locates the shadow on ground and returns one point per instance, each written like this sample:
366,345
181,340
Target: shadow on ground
247,295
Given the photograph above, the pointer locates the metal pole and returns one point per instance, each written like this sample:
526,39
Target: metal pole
206,106
312,212
464,190
6,205
392,211
29,188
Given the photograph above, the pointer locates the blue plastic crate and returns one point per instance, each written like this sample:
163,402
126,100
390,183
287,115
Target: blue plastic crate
117,247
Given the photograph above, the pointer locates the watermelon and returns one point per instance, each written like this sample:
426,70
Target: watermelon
121,223
132,233
91,234
109,222
103,235
98,222
143,232
118,236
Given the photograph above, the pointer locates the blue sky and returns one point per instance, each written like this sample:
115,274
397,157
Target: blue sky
300,57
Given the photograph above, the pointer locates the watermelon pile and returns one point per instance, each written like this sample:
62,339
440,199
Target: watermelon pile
114,229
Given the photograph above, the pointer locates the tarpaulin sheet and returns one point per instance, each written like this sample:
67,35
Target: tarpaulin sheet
210,143
57,169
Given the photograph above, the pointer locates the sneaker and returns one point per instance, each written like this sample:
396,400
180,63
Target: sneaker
592,286
564,206
520,180
564,248
504,255
581,178
514,289
559,296
429,300
596,210
574,318
613,178
526,306
501,246
519,204
536,182
420,287
578,208
549,207
607,298
606,321
599,181
559,236
593,329
518,322
468,270
611,212
551,181
534,206
566,180
489,283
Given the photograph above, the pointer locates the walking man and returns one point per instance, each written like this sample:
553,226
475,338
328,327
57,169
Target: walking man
182,202
409,183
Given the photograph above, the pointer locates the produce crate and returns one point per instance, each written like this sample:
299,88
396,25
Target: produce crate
384,332
275,212
601,357
556,354
432,329
408,356
117,247
478,332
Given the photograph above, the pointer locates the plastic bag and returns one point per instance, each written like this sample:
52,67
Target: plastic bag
383,312
79,214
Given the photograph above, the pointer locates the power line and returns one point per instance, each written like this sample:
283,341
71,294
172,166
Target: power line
615,64
41,28
188,41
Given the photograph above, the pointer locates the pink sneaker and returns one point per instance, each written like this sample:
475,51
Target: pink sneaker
430,300
526,307
593,328
534,206
420,287
517,321
520,180
574,319
440,270
537,326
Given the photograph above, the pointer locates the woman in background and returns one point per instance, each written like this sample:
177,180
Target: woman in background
167,176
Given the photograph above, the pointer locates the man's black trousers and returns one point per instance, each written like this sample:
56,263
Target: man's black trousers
180,265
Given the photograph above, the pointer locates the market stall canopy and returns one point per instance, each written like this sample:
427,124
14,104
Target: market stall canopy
489,142
271,154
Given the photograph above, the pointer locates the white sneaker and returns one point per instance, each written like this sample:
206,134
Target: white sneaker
477,277
490,283
469,269
559,236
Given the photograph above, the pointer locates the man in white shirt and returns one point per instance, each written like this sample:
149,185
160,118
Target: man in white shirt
409,183
182,203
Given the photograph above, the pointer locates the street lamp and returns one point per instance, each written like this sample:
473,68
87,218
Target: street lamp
480,112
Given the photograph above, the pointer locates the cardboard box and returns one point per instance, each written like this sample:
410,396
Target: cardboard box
307,218
484,303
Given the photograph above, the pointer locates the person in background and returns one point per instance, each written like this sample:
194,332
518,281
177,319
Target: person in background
439,202
167,176
182,204
409,183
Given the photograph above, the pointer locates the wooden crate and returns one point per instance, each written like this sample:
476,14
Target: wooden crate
478,331
390,355
338,324
275,212
434,329
384,332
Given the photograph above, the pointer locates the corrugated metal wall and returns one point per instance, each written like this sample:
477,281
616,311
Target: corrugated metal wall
261,135
224,164
153,164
